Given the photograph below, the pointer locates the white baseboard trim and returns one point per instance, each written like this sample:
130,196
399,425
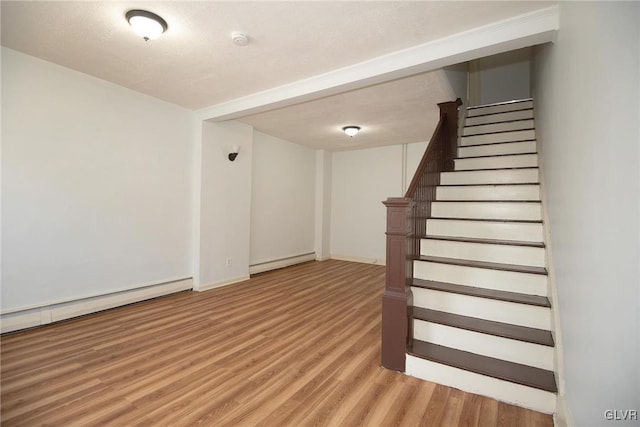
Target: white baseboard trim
221,283
281,263
32,317
358,259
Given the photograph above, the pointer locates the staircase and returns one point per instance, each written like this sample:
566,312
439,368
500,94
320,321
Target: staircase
481,318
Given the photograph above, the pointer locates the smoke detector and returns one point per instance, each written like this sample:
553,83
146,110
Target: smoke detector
239,38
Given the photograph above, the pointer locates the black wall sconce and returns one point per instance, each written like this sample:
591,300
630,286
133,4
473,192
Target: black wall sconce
234,152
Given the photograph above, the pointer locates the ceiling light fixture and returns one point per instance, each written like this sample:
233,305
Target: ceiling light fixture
351,130
147,25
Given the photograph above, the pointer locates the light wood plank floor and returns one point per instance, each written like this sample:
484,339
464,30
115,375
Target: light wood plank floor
293,347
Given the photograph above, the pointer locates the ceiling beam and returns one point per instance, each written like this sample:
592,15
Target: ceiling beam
537,27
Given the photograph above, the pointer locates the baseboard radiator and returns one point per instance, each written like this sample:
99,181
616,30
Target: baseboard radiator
15,320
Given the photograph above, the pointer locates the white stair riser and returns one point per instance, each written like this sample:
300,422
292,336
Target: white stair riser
498,149
499,117
511,161
497,127
515,176
504,254
510,281
487,210
522,232
483,308
491,109
489,192
525,353
518,135
528,397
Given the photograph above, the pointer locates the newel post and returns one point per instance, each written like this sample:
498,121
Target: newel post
450,111
397,301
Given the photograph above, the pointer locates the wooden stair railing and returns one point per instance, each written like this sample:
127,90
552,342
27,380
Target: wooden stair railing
406,223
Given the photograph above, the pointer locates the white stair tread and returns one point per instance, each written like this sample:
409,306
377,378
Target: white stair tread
506,391
483,308
498,149
500,117
525,232
489,192
497,127
506,176
527,211
499,280
497,162
515,351
500,107
494,253
494,138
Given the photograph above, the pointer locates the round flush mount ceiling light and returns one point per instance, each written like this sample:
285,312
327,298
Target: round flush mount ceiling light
146,24
351,130
239,38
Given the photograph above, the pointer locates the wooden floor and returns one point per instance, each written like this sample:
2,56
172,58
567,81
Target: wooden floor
294,347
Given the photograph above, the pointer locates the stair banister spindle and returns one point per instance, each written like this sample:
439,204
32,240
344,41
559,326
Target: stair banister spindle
406,223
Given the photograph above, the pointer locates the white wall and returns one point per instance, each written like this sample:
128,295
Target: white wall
96,186
504,77
361,181
586,88
282,199
458,80
413,153
225,205
322,236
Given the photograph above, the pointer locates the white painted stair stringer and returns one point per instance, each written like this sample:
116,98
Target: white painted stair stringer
483,308
525,353
505,391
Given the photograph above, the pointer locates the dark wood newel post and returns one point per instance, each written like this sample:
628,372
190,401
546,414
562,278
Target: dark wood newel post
404,215
397,299
450,111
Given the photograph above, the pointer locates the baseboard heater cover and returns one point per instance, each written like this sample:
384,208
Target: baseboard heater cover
358,259
32,317
281,263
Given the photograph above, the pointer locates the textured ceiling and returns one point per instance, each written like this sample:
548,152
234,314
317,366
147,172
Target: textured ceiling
195,64
396,112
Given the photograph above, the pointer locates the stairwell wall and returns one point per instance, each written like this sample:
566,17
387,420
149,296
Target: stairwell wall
361,180
501,77
586,89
